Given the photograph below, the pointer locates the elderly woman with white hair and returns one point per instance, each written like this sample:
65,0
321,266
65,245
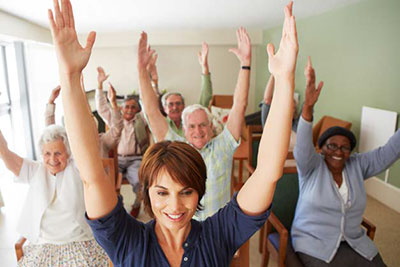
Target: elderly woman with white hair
52,218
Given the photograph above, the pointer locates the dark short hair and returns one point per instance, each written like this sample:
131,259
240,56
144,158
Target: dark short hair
180,160
337,130
133,97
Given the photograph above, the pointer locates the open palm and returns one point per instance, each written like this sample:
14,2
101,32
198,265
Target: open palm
72,57
284,61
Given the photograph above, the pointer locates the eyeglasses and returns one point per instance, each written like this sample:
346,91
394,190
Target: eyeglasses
334,147
171,104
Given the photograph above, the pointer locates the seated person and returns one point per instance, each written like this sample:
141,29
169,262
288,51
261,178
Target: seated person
173,174
134,140
109,139
197,126
174,103
328,232
53,215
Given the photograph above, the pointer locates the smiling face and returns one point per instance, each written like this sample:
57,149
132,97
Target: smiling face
198,130
174,107
130,109
55,156
172,203
336,159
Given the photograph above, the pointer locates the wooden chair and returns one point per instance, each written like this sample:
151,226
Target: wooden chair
108,164
221,101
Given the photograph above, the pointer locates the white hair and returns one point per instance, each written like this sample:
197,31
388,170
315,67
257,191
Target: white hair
192,108
53,133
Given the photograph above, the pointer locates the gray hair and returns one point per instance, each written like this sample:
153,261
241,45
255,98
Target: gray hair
166,95
192,108
54,133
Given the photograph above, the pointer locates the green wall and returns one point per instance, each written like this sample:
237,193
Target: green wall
356,52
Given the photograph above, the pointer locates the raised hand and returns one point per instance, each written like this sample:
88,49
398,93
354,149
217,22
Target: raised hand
72,57
312,93
152,68
243,51
112,96
101,75
284,61
54,94
203,58
145,53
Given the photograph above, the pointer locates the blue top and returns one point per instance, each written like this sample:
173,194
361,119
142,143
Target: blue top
322,218
212,242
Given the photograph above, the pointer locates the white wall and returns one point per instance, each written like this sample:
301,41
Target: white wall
178,69
42,72
11,26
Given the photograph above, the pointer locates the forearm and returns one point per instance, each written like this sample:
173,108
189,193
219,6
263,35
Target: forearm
100,196
102,107
269,90
100,86
307,112
257,193
12,161
150,102
206,90
236,115
49,118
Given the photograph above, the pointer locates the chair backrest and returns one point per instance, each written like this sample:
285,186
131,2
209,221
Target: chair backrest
285,198
326,122
113,153
221,101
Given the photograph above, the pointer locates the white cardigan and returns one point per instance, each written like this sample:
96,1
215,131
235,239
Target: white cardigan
42,186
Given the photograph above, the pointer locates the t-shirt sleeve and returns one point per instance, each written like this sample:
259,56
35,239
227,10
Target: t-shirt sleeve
28,170
231,227
118,233
225,141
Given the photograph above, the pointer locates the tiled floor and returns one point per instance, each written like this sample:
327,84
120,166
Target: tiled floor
387,222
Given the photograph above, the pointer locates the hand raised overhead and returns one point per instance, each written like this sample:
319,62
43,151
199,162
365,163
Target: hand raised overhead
202,56
101,75
54,94
72,57
284,61
145,53
312,93
112,94
243,51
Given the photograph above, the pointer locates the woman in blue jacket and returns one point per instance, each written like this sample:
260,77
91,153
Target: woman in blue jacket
326,230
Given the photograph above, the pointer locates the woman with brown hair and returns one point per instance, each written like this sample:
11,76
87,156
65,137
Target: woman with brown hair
172,174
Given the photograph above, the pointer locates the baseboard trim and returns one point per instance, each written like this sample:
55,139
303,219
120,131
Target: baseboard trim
383,192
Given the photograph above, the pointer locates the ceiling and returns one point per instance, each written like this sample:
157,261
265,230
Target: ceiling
132,15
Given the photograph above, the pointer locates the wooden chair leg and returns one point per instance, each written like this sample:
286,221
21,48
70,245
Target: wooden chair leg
265,253
261,239
18,248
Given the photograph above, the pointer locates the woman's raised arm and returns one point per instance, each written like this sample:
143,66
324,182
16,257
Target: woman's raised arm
100,196
256,195
12,161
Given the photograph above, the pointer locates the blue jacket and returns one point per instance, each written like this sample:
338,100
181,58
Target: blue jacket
322,218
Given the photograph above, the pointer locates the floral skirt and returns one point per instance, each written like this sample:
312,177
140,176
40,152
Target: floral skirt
83,253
